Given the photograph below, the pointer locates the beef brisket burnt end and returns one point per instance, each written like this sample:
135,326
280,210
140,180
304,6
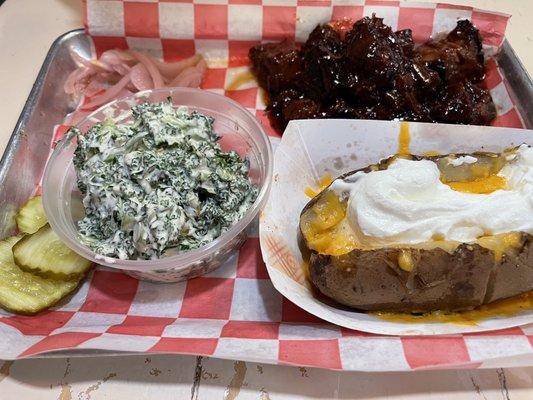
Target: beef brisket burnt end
373,52
464,103
405,40
323,62
382,75
292,104
301,109
458,57
277,65
375,73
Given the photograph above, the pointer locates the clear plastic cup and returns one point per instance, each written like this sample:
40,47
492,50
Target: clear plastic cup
239,131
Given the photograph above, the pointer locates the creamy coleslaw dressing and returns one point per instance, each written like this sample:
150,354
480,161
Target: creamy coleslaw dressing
407,203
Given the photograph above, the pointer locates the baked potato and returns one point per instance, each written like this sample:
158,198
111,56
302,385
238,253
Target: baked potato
348,265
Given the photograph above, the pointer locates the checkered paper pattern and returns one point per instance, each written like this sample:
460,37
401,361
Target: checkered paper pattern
224,30
235,312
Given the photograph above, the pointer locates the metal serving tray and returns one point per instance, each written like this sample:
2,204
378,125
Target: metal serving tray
26,153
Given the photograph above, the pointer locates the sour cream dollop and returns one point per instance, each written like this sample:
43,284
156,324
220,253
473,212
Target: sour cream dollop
407,203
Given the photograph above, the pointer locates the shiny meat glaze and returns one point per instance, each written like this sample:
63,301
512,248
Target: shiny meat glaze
375,73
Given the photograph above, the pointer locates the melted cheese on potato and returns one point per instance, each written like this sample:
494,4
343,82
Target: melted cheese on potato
480,186
329,229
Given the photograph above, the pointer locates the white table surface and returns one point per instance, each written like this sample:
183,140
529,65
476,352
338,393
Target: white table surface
27,29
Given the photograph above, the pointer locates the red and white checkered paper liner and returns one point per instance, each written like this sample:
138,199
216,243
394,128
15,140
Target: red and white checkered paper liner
235,312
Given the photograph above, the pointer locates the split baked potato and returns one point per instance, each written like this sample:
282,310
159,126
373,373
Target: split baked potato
436,274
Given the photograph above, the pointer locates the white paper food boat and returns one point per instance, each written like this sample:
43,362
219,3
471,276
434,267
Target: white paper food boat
311,149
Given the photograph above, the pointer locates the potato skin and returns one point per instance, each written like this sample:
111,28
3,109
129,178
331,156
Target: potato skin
514,275
371,280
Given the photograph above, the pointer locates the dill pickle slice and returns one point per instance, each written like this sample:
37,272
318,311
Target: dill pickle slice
25,293
6,248
31,216
43,253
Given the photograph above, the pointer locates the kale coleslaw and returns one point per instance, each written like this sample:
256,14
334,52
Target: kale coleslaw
159,184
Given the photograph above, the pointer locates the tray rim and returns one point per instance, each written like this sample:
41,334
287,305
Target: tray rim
30,103
521,78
